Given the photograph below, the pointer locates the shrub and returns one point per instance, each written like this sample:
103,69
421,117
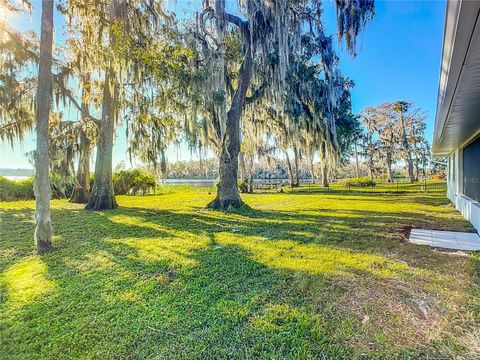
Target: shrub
359,182
124,182
12,190
131,182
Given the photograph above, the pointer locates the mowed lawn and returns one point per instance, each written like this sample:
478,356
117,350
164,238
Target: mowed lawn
322,275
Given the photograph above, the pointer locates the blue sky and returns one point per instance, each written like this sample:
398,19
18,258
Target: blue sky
398,58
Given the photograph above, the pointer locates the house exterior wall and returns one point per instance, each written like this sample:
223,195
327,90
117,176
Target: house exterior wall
468,207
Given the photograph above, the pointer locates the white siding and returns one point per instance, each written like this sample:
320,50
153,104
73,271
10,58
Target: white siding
469,208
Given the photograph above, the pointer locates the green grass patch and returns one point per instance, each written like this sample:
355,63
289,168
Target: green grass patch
310,273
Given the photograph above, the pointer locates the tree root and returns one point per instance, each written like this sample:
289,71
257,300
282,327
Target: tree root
224,205
106,202
80,196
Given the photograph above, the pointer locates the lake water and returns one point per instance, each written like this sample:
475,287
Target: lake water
213,182
191,182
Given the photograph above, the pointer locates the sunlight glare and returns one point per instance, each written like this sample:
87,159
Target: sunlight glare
26,281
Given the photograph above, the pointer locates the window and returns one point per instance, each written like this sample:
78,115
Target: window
471,170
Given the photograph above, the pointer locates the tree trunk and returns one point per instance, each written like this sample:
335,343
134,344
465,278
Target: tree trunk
370,167
81,192
357,172
243,172
325,174
389,172
43,224
410,169
389,168
408,161
103,196
290,170
228,195
297,176
312,172
242,166
250,175
417,169
406,148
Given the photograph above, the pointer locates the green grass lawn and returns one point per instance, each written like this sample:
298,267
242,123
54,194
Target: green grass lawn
305,274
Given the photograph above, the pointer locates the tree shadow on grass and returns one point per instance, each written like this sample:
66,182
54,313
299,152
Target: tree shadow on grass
363,231
225,305
140,282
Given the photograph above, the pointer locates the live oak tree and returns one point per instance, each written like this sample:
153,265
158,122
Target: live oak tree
381,120
401,108
61,152
394,132
421,147
269,32
317,113
349,128
369,143
100,25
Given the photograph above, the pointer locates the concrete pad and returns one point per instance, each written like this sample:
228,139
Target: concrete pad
445,239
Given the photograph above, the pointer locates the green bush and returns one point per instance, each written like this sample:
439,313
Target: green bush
11,190
359,182
132,182
126,182
14,190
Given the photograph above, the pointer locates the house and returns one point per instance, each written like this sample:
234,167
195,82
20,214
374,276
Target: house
457,124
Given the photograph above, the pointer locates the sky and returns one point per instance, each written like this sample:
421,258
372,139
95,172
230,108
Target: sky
398,59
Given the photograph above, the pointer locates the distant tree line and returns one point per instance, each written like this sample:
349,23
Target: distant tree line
382,142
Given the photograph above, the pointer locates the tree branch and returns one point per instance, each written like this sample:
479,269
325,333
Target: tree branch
242,25
27,122
258,93
233,19
85,113
228,83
